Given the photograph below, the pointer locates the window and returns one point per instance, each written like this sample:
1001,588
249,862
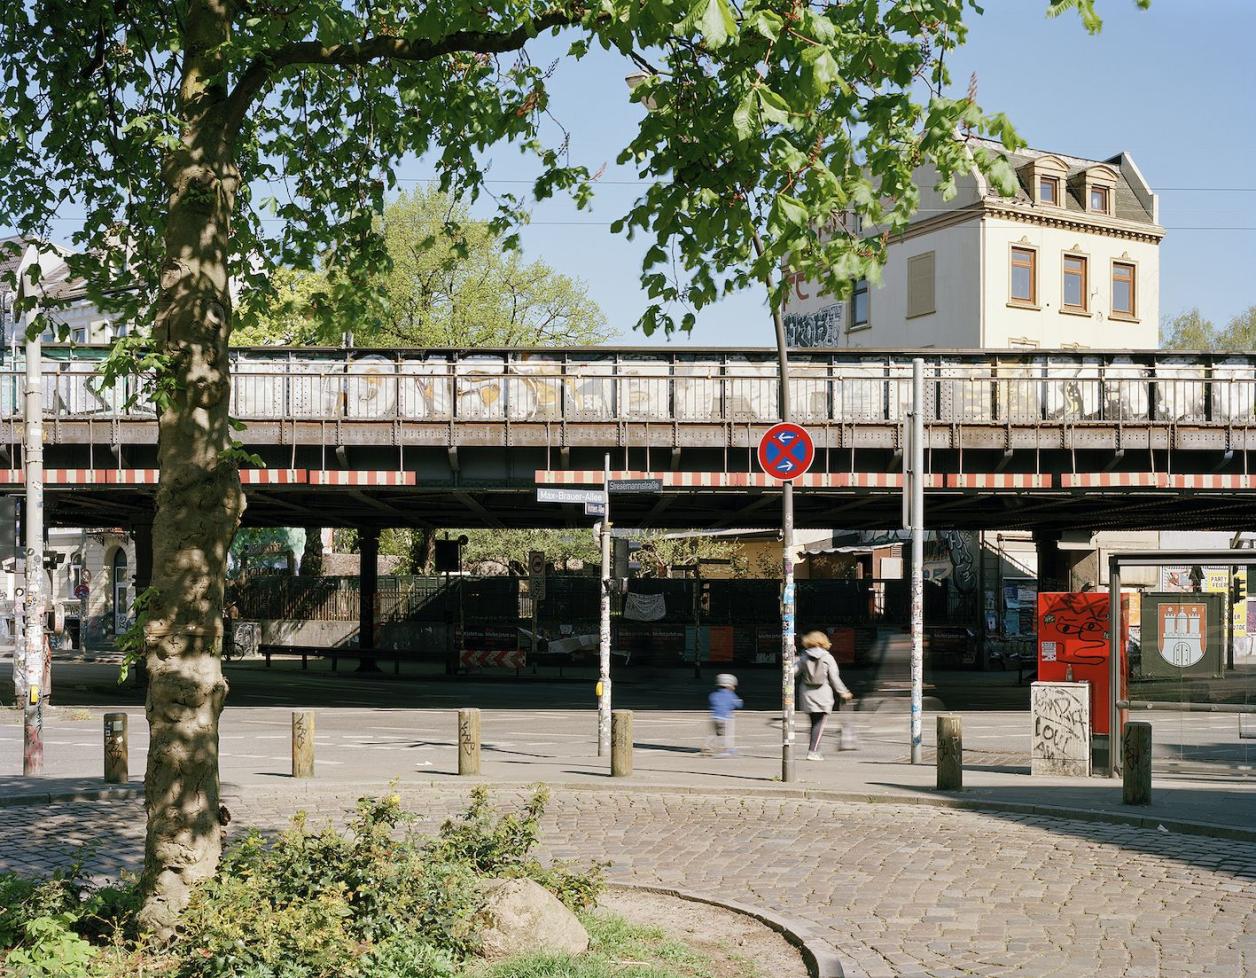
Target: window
80,335
1123,283
1025,276
1099,200
920,285
1049,190
859,305
1075,283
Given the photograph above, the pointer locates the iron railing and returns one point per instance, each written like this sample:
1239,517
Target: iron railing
700,387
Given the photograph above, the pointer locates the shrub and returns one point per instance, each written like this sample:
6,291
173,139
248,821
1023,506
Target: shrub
374,901
501,846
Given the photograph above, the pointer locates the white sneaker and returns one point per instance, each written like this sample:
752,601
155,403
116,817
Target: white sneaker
815,755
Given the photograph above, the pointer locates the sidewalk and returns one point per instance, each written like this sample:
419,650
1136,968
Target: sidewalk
365,749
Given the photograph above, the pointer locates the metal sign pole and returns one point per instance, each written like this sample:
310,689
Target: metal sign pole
604,622
34,652
917,555
1114,667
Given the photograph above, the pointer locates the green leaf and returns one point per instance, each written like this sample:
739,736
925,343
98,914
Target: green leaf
773,107
714,18
824,72
744,116
787,210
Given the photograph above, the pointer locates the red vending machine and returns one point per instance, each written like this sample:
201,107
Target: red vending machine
1074,644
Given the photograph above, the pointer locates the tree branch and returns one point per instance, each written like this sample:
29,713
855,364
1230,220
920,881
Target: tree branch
264,68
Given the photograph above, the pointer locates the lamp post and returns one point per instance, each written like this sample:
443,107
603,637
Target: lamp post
788,598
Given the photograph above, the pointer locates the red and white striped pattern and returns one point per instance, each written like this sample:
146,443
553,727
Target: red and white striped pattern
997,480
1212,481
733,480
512,659
87,477
272,477
328,477
1114,480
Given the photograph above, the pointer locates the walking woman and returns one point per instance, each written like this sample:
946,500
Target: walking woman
818,686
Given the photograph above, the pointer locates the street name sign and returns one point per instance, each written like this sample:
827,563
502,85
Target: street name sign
786,451
547,494
635,485
595,509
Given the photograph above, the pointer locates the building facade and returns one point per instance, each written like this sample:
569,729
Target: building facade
1072,259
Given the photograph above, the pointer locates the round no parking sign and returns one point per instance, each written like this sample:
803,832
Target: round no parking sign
786,451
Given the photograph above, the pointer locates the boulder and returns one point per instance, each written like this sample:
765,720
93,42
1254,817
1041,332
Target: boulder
523,917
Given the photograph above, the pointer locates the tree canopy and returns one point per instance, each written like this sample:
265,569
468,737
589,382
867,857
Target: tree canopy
1191,331
450,282
206,142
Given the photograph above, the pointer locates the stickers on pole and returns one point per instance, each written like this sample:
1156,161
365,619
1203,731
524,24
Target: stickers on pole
786,451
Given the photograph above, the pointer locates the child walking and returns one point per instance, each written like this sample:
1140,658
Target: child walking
819,680
724,702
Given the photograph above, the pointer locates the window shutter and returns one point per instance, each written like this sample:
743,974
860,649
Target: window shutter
920,286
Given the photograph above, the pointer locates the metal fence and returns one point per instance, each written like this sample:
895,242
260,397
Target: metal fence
613,385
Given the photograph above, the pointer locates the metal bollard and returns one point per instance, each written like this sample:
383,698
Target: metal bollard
303,744
621,743
468,742
116,758
950,753
1136,764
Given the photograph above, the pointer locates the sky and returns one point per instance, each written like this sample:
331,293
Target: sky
1172,86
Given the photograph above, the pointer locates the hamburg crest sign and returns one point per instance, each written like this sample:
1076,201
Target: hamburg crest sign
1183,633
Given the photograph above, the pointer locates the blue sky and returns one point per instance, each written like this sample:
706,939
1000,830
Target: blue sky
1172,86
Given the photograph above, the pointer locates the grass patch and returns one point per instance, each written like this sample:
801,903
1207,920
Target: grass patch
617,949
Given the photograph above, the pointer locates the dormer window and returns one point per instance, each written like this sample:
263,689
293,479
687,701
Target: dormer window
1043,179
1096,189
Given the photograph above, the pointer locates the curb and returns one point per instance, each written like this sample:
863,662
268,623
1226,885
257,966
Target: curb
947,800
112,793
820,956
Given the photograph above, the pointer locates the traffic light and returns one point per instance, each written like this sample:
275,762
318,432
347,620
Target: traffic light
1238,588
8,527
619,557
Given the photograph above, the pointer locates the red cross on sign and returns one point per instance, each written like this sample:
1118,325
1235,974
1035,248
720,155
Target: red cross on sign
786,451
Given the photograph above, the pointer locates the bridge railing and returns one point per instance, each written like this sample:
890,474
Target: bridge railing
591,386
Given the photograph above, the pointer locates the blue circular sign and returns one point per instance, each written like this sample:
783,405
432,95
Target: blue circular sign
786,451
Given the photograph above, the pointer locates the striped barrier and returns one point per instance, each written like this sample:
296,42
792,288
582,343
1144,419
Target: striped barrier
475,659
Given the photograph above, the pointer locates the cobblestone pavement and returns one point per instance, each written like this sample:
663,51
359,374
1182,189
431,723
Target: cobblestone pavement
901,891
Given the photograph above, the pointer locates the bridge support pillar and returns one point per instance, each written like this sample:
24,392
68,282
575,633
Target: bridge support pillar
1054,572
368,549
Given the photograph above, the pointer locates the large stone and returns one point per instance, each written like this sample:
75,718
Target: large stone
524,917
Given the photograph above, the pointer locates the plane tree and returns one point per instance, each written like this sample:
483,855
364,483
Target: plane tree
203,142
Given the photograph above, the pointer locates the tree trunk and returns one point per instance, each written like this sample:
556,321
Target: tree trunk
422,551
312,555
199,501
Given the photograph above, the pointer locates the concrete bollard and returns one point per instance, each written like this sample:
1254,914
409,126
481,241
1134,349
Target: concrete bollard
1136,764
621,743
303,744
950,753
468,742
116,755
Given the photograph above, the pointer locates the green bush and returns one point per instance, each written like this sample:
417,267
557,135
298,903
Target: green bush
501,846
374,901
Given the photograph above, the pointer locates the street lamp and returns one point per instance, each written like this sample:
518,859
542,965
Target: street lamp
788,598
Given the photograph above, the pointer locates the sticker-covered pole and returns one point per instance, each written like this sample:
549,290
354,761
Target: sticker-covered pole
604,620
917,556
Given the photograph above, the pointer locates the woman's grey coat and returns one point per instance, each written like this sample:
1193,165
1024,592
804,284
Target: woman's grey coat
818,681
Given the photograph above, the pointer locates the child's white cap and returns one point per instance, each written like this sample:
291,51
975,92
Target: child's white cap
727,680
